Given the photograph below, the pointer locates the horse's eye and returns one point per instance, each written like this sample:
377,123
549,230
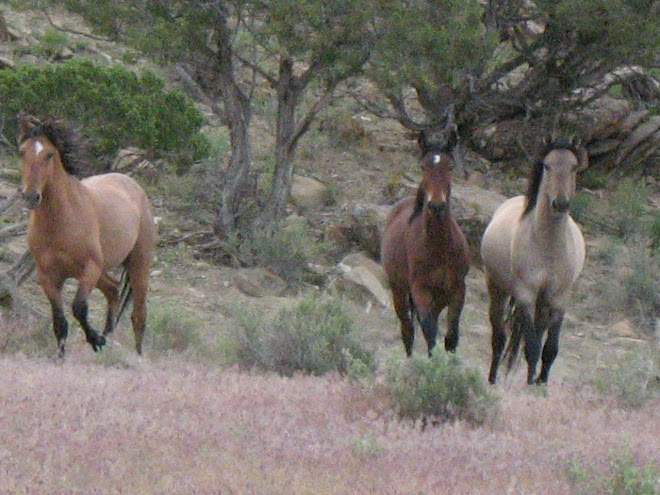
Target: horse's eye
49,156
546,167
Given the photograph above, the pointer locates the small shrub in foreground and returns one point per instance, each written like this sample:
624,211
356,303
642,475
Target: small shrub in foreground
623,478
18,336
439,389
632,383
316,336
171,329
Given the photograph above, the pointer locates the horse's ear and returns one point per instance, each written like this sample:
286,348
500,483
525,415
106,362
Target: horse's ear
583,158
423,142
25,124
452,138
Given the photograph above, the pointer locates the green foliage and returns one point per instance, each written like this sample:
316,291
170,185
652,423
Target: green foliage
111,107
287,250
52,42
172,329
627,207
580,206
17,335
633,382
439,389
316,336
428,44
624,478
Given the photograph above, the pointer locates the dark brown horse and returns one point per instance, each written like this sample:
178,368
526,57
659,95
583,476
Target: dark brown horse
425,255
81,229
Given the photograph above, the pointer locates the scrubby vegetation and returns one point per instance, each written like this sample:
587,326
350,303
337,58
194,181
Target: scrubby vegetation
316,336
439,389
110,106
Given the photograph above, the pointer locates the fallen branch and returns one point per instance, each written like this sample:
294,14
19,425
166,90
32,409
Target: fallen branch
13,230
15,276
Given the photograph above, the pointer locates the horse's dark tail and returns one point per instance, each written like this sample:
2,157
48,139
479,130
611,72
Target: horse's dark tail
514,323
125,293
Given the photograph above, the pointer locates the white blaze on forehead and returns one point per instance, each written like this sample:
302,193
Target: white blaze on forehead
436,159
38,147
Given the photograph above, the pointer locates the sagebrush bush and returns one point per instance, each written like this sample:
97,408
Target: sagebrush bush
439,389
110,106
627,208
624,478
18,336
580,206
633,382
172,329
286,249
315,336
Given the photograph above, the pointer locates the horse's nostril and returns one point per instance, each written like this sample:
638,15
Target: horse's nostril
32,199
561,204
437,208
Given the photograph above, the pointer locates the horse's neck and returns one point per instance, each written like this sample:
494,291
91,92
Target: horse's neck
437,233
61,197
553,229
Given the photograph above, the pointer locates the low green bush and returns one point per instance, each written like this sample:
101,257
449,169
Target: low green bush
316,336
439,389
624,478
110,106
632,383
172,329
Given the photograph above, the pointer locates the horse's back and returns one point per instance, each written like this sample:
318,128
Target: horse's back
124,213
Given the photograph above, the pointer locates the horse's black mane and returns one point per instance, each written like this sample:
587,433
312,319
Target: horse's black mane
63,138
537,170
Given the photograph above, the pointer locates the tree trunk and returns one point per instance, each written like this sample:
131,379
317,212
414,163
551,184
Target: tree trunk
288,95
238,116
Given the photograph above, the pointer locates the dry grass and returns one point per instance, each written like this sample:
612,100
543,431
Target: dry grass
178,427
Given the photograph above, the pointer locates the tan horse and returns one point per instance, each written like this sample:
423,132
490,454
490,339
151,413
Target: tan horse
425,255
533,252
81,229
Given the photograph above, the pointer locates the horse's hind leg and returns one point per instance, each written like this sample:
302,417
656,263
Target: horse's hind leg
86,283
109,286
137,267
551,347
496,310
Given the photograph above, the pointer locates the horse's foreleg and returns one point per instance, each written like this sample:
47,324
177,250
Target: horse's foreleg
533,338
87,282
453,318
551,347
427,314
109,286
60,325
403,309
498,336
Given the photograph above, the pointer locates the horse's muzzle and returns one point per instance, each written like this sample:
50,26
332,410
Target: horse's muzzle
561,204
32,199
438,209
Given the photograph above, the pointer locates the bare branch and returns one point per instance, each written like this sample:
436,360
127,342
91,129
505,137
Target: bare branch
74,31
199,92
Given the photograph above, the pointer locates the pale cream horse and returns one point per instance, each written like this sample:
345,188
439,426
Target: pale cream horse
533,252
83,229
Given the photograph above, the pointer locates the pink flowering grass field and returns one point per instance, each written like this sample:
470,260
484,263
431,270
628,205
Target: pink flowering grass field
176,426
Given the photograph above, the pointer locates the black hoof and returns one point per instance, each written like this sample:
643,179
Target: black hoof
97,342
451,343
